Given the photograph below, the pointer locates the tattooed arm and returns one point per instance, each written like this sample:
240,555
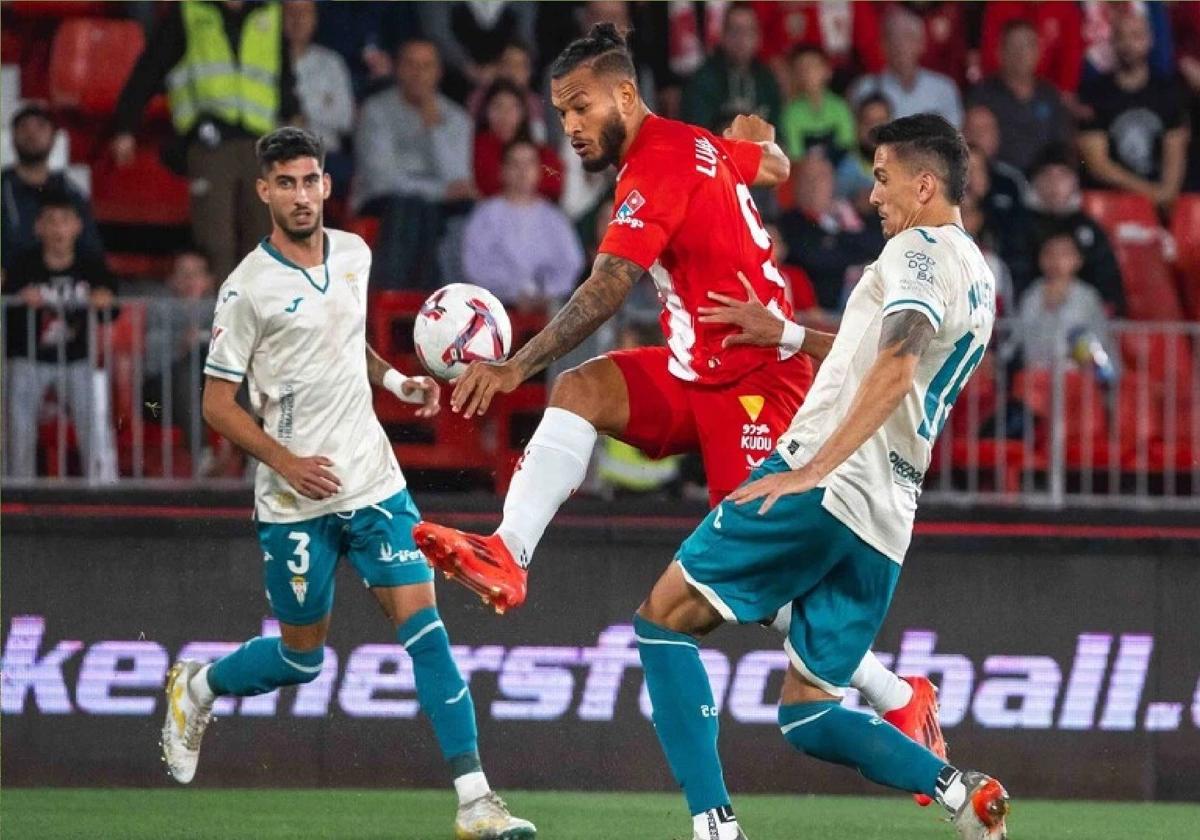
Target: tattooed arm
905,337
593,303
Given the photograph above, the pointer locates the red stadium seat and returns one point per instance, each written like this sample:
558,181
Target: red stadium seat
144,192
368,228
1138,239
90,61
1185,229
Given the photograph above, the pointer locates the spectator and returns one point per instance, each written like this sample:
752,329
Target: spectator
49,339
515,66
1185,24
471,36
178,330
909,87
1059,27
366,36
855,177
1029,111
799,289
1056,209
975,223
816,118
413,166
1007,184
944,32
519,246
1137,138
323,87
825,236
733,81
24,184
1059,312
222,99
503,118
1100,22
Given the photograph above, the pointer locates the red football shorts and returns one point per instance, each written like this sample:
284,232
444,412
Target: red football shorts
734,427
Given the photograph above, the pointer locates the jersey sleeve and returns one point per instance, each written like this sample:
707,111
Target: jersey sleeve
648,208
746,156
914,277
235,335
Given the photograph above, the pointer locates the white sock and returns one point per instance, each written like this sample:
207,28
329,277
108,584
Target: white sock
552,468
199,689
951,792
715,824
471,786
882,689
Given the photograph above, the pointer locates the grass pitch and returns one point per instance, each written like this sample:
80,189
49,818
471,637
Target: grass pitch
138,814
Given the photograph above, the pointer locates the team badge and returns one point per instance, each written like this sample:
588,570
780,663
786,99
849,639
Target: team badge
216,333
629,207
752,405
299,589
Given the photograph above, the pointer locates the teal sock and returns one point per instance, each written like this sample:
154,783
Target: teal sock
684,712
441,690
262,665
881,752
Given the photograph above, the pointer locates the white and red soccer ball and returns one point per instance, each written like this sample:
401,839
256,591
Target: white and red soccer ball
459,324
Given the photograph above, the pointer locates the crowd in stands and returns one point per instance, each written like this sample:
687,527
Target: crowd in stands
445,152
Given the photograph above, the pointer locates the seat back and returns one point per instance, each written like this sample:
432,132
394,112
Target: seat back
90,61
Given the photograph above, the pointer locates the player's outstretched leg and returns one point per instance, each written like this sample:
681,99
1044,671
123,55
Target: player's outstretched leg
908,703
824,729
258,666
446,700
585,399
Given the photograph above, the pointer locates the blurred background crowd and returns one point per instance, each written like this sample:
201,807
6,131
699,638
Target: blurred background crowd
129,173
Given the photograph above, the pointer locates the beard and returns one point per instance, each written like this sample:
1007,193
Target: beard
31,157
290,229
612,138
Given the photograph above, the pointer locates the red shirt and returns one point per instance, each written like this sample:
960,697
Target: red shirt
683,212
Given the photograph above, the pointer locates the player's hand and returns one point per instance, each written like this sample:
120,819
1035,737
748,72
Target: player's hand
474,390
430,391
760,326
772,488
309,478
750,127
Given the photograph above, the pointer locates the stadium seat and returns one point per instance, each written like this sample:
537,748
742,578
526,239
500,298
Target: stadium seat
60,8
368,228
81,47
1185,230
143,193
1084,412
1132,224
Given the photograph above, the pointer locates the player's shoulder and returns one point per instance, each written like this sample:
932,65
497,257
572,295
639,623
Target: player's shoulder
346,242
945,242
664,147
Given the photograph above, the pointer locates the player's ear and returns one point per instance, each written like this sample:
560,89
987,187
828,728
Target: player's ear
326,186
627,95
261,187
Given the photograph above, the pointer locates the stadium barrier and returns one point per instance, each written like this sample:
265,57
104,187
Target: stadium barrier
1055,673
1112,422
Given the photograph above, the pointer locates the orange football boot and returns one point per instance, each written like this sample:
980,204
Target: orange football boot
919,721
482,564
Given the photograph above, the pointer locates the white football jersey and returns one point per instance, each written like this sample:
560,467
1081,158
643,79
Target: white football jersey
940,273
298,336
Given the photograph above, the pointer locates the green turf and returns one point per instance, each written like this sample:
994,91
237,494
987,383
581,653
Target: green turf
425,815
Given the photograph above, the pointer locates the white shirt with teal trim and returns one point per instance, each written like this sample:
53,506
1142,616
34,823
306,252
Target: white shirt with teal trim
298,336
940,273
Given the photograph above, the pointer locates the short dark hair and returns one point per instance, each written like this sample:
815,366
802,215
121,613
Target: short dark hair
56,198
930,136
801,50
872,99
288,143
514,144
500,87
604,49
1015,25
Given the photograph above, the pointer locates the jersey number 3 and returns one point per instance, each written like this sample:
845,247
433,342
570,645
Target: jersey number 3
300,563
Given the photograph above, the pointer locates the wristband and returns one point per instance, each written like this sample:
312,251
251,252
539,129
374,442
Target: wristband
792,339
394,381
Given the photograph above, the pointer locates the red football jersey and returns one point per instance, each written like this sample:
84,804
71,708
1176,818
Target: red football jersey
683,212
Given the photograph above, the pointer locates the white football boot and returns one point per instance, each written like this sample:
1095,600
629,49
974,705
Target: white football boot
981,816
185,723
487,818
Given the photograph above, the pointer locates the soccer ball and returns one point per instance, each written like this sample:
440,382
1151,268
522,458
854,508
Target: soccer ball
459,324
